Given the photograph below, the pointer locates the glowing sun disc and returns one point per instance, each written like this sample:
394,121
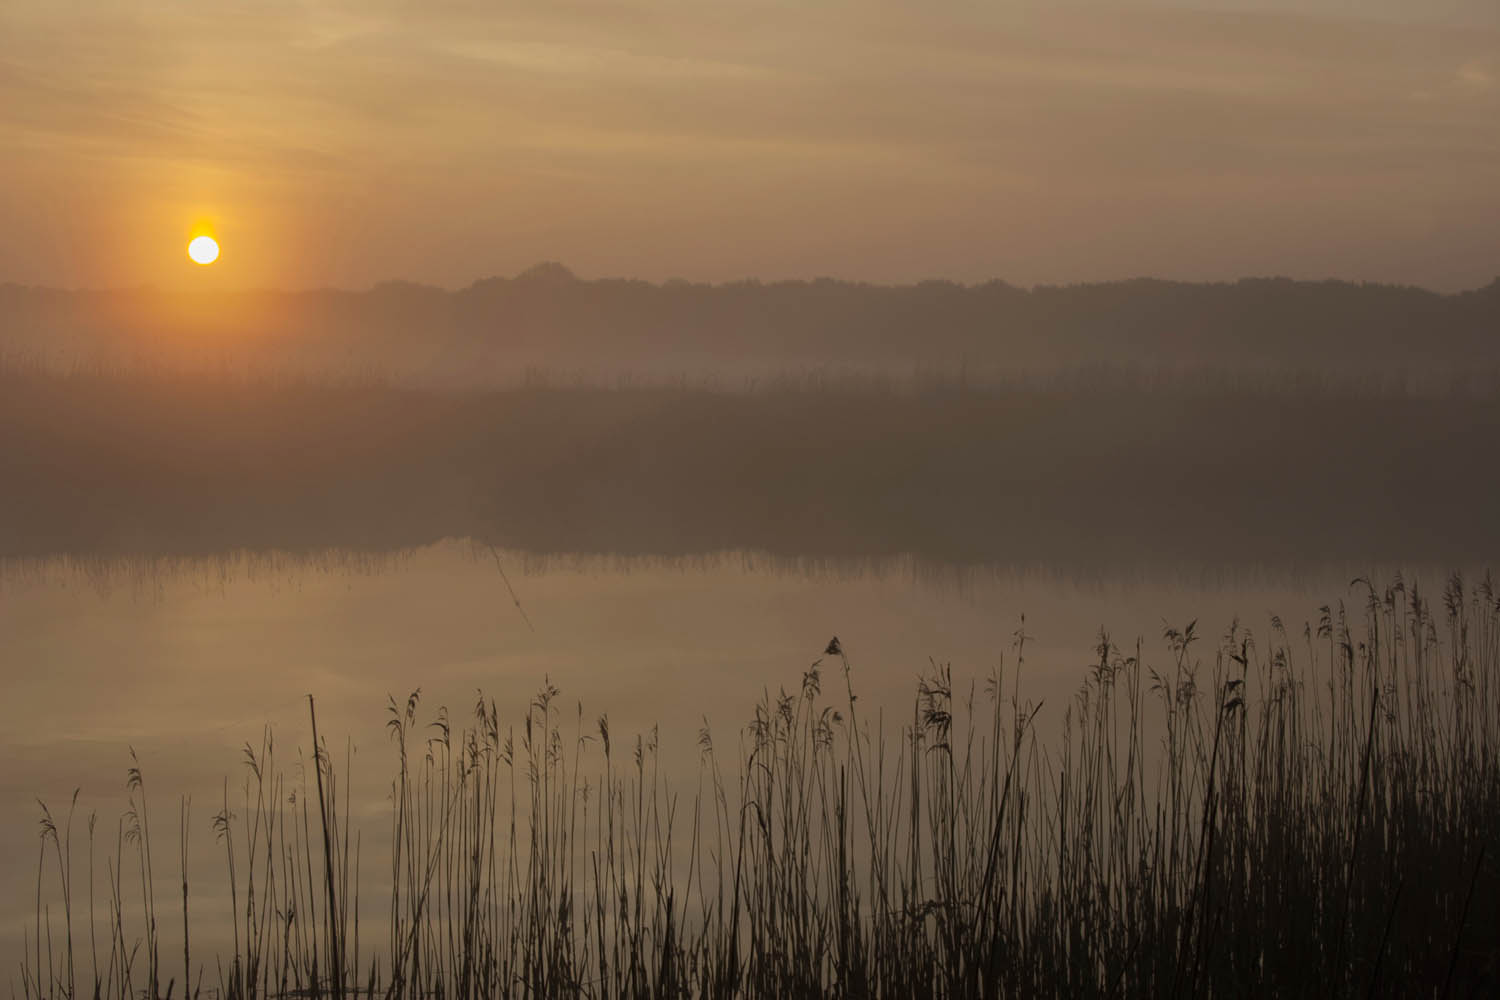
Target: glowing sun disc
203,250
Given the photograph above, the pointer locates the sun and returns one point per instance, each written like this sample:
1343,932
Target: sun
203,250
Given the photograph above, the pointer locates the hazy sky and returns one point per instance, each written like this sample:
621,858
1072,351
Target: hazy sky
346,142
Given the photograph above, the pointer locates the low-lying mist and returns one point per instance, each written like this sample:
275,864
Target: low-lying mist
1091,472
492,332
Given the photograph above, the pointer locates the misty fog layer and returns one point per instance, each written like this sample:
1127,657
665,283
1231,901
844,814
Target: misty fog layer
1090,473
497,330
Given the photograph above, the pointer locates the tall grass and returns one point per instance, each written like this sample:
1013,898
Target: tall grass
1274,814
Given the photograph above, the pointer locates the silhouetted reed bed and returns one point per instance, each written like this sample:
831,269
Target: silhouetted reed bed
1287,812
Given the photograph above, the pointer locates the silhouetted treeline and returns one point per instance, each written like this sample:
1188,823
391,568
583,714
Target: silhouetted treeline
1071,472
548,319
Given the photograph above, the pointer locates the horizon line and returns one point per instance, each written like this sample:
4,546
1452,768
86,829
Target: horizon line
556,272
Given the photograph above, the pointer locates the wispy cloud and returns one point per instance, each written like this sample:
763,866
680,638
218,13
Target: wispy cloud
1476,76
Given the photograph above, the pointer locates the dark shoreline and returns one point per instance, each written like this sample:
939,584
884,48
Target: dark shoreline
1067,474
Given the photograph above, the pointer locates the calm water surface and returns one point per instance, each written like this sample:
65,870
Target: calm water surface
187,665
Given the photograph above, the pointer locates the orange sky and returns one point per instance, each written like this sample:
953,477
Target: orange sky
346,142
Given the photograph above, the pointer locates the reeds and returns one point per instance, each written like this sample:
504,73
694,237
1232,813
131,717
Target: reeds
1280,815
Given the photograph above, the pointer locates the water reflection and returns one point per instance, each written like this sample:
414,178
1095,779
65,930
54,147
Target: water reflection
185,559
186,662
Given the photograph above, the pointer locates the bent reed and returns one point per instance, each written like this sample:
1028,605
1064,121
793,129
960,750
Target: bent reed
1287,814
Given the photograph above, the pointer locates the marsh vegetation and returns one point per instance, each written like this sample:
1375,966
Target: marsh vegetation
1102,472
1253,813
